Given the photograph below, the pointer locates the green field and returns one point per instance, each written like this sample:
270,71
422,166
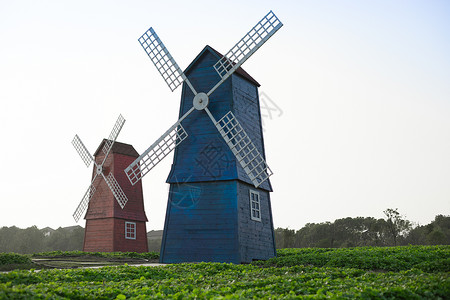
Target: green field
413,272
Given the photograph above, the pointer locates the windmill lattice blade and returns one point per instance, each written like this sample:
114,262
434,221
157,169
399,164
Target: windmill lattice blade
114,134
82,151
248,45
156,152
243,148
116,190
161,58
84,203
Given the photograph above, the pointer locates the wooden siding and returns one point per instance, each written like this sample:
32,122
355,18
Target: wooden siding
246,108
99,235
256,239
134,209
130,245
108,235
201,225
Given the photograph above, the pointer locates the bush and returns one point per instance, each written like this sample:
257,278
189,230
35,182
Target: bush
13,259
401,258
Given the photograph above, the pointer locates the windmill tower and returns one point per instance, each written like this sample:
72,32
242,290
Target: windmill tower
110,225
219,200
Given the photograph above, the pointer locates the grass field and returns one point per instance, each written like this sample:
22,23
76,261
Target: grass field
415,272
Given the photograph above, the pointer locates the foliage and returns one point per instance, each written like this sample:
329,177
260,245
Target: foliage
13,258
31,240
397,225
400,258
435,233
366,231
154,245
215,280
13,261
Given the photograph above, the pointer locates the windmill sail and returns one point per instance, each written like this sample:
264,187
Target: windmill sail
243,148
163,60
82,151
156,152
246,46
87,158
113,135
84,202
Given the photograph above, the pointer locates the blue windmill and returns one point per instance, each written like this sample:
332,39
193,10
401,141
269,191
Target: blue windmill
219,198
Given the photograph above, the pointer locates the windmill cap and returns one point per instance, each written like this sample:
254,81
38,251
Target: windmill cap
239,71
119,148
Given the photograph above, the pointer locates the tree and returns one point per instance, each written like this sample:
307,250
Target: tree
284,238
435,233
397,225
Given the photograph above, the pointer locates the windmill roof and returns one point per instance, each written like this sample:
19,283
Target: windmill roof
120,148
240,71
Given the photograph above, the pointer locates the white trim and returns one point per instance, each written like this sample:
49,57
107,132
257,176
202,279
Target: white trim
255,205
130,232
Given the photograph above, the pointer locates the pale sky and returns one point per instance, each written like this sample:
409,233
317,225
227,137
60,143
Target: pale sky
362,90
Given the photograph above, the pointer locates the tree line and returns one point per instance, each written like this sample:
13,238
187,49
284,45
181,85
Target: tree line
394,230
33,240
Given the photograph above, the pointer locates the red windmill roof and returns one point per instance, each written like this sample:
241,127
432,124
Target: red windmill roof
120,148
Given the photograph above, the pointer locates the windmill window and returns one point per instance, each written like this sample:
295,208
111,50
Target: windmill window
255,206
130,230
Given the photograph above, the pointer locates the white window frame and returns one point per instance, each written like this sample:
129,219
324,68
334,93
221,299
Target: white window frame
255,206
130,230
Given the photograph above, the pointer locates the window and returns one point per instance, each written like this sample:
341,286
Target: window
255,206
130,230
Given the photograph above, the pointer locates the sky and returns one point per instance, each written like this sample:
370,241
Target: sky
356,113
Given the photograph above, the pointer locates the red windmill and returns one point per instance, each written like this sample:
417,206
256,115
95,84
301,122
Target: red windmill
115,217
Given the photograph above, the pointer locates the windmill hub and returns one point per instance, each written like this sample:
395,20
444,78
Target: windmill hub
200,101
99,170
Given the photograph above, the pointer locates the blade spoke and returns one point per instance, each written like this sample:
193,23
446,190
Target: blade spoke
163,60
84,202
82,151
248,45
114,134
116,190
243,148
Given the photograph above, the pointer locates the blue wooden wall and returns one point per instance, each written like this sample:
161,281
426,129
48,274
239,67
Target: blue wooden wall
201,223
208,210
256,239
210,221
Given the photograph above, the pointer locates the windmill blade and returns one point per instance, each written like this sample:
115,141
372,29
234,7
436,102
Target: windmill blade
248,45
82,151
84,202
242,147
163,60
157,151
113,135
116,189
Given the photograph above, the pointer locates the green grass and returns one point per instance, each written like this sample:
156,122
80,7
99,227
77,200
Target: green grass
295,273
426,258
